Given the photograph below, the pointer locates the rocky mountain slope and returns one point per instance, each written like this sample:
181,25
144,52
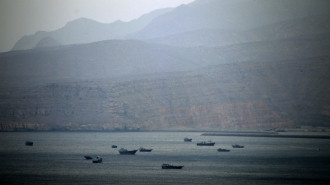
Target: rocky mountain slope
288,93
118,85
203,66
129,59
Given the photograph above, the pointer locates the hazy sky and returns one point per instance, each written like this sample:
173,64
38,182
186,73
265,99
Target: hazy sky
25,17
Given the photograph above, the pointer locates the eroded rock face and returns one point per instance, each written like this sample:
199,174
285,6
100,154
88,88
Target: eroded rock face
241,95
267,67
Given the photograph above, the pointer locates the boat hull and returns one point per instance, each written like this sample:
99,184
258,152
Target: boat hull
97,161
171,167
223,150
146,150
28,143
205,144
187,140
237,146
88,157
130,152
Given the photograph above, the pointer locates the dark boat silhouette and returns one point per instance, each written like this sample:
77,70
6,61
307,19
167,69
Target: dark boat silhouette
114,146
237,146
97,159
28,143
169,166
87,157
123,151
145,149
187,139
206,143
223,150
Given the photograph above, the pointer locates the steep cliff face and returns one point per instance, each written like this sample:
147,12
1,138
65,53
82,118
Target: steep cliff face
207,65
239,95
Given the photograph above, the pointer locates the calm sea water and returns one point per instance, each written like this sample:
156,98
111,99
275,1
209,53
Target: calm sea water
57,158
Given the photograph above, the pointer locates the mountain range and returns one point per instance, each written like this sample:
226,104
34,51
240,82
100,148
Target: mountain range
208,65
85,30
239,20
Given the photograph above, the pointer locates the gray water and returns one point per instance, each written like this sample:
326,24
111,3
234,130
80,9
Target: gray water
57,158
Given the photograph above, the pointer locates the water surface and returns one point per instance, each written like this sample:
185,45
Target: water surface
57,158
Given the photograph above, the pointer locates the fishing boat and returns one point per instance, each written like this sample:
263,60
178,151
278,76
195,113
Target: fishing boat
237,146
206,143
187,139
124,151
87,157
169,166
114,146
97,159
223,150
145,149
28,143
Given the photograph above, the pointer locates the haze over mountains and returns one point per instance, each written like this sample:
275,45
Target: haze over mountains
84,30
239,64
225,21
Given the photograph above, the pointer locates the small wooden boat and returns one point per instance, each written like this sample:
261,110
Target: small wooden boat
223,150
123,151
28,143
169,166
237,146
206,143
87,157
97,159
145,149
187,139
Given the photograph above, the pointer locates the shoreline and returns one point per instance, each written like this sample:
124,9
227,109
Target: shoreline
267,134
